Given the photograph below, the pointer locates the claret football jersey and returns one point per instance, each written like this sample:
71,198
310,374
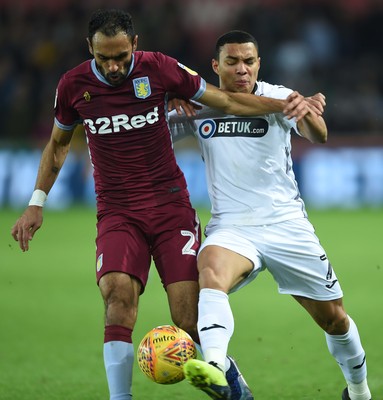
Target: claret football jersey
127,129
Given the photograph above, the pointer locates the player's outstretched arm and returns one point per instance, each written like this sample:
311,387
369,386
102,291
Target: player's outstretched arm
52,160
244,104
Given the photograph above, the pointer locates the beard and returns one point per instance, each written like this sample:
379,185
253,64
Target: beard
115,78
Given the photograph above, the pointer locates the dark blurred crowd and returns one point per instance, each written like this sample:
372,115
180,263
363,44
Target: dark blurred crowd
335,47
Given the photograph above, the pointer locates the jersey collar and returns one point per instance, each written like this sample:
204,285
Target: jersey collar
99,75
255,88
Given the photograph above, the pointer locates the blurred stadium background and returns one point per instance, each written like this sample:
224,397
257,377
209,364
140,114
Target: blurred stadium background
310,45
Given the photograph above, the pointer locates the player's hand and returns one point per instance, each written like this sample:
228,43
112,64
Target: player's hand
26,226
183,107
317,103
297,106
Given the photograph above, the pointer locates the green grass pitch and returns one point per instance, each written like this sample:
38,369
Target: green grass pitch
51,316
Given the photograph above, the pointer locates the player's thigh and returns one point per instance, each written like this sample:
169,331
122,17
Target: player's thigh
298,262
175,244
122,247
221,268
228,258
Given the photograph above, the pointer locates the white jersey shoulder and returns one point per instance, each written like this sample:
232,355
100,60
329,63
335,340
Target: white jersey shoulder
248,163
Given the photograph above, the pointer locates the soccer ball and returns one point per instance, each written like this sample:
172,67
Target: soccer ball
163,352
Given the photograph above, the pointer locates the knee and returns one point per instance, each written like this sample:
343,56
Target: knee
208,278
336,325
211,276
120,310
121,303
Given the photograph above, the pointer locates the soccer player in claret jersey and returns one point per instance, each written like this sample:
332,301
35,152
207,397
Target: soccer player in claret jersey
143,207
259,220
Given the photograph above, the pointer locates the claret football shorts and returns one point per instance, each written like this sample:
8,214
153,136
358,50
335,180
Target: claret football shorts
290,250
168,234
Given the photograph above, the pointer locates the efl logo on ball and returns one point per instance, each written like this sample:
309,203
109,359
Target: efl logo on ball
163,352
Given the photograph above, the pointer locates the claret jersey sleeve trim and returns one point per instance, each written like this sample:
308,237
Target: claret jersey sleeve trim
201,90
66,127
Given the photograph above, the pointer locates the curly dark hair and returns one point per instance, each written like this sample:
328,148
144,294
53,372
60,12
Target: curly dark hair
110,22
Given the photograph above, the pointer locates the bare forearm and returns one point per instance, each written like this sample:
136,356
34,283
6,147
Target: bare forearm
249,104
243,104
313,127
308,114
51,162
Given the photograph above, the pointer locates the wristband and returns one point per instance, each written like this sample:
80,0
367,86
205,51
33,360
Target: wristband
38,198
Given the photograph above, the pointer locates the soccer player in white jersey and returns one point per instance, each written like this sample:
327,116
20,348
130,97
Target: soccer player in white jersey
259,221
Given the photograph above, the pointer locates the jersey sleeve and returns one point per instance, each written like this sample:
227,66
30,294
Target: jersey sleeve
278,92
66,117
182,126
179,79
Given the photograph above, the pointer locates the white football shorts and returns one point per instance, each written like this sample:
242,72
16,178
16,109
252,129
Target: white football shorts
290,250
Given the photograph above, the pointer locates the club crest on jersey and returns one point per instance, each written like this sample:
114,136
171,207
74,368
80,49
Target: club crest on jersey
142,87
86,96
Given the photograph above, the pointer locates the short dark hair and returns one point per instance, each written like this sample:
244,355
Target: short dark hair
234,37
110,22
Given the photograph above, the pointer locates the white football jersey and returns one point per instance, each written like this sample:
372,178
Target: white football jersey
248,163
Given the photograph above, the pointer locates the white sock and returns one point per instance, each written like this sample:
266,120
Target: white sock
359,391
215,325
118,360
227,361
348,351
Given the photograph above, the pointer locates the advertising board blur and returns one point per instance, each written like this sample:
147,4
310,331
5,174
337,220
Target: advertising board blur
328,178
